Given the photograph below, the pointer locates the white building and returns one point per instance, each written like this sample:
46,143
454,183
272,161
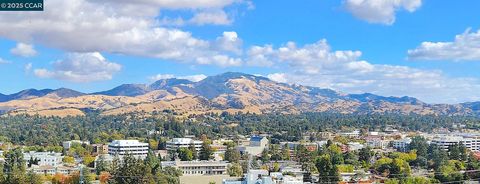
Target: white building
471,141
402,144
198,167
377,143
67,144
132,147
355,133
51,170
255,147
354,146
44,158
176,143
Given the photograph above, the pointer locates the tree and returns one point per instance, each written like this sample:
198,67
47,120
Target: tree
194,151
15,167
33,178
130,170
235,170
457,152
185,154
285,153
88,160
206,153
101,165
265,156
420,144
232,155
68,159
327,171
364,155
437,157
399,168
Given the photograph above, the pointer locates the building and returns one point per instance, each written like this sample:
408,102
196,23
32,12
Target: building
376,142
51,170
354,146
471,141
43,158
402,144
355,133
253,177
176,143
443,142
132,147
255,147
67,144
99,149
257,141
198,167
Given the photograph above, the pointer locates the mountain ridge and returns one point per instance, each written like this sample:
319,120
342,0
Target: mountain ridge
230,91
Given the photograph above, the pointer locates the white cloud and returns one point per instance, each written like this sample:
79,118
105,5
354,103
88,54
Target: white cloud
120,27
380,11
230,42
28,67
318,65
277,77
465,47
258,56
81,67
219,60
216,17
194,78
3,61
24,50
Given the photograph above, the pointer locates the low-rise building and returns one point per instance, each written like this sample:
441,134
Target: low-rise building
99,149
355,133
123,147
444,141
256,146
51,170
176,143
376,142
198,167
43,158
402,144
354,146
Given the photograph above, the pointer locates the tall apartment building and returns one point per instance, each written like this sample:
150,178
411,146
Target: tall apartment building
133,147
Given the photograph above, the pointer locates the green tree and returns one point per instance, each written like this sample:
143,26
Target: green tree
235,170
185,154
101,165
327,171
420,144
68,159
15,167
194,151
232,155
285,153
364,155
206,153
130,170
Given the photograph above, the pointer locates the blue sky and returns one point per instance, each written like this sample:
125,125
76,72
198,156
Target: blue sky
387,47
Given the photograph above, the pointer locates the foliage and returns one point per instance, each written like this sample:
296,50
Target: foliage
235,170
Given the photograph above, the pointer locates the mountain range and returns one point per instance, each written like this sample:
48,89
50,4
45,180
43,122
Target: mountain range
231,92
